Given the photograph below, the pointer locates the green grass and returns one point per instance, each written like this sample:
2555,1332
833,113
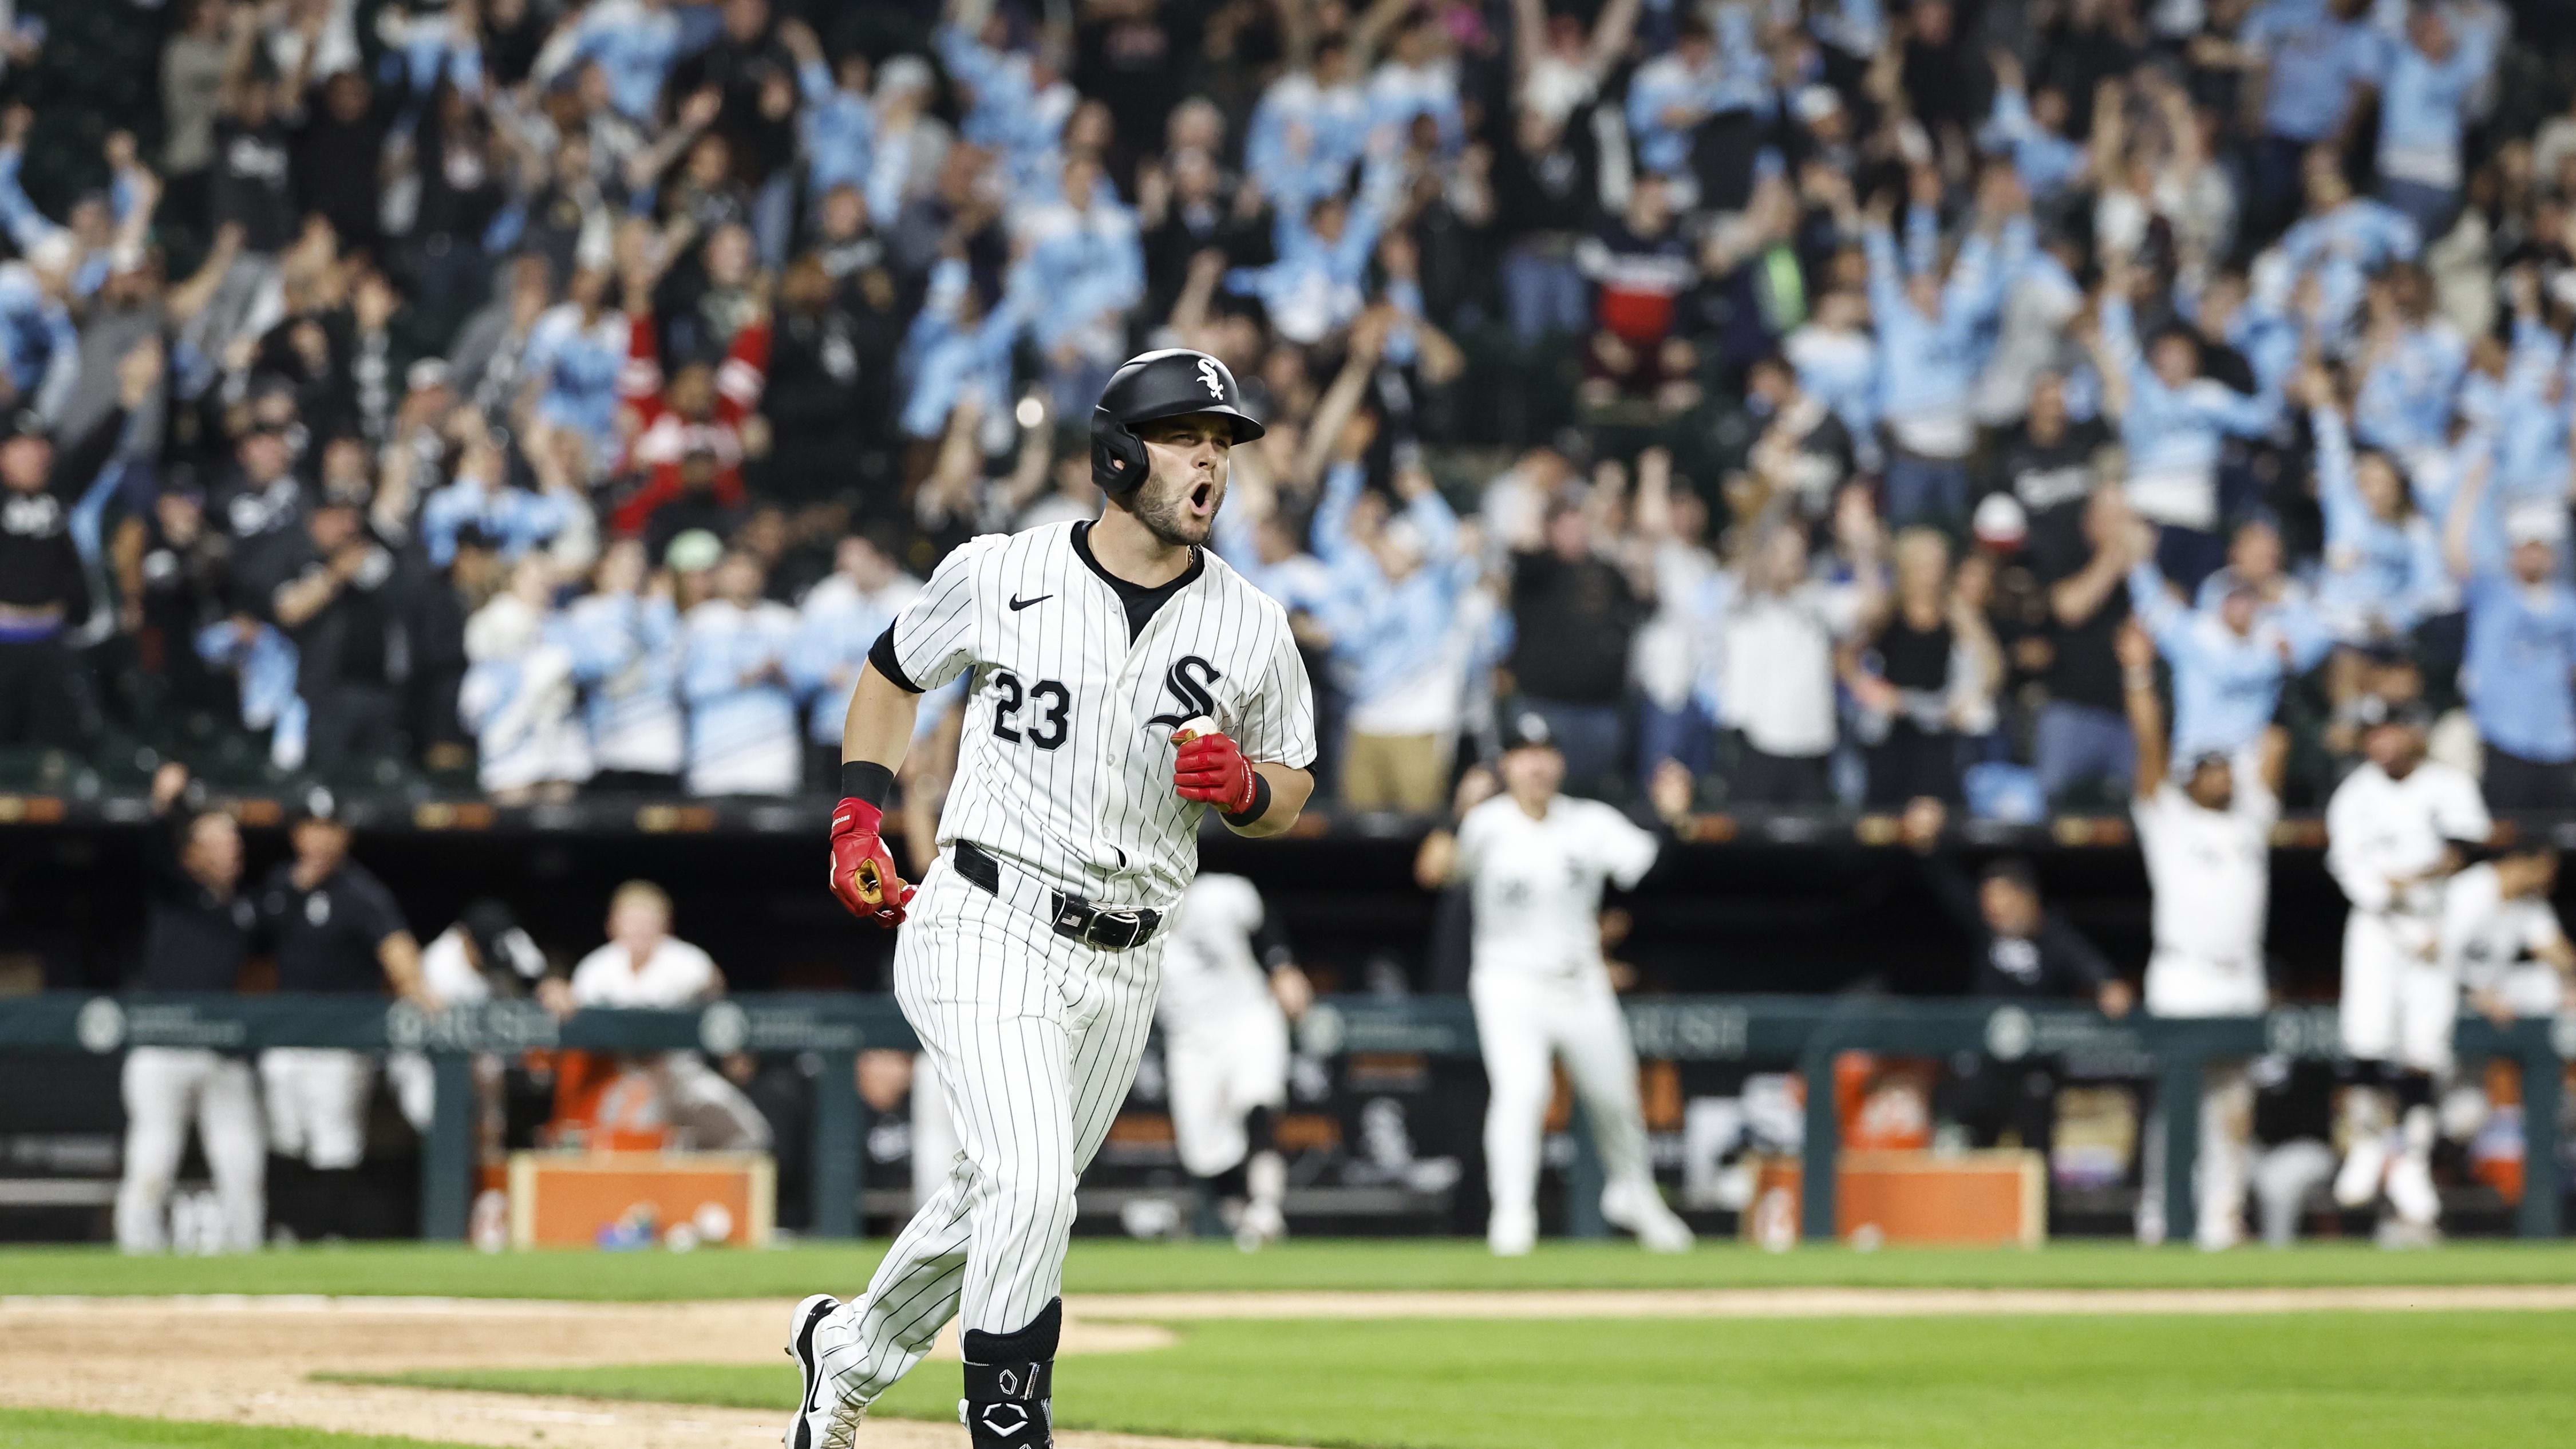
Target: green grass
1120,1266
2303,1381
48,1429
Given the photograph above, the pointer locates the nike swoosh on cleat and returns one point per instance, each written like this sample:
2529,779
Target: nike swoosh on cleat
805,1361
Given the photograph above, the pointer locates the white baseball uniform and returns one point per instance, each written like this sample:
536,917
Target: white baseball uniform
1064,785
2490,943
164,1089
2399,1002
2211,875
328,938
452,980
1540,989
709,1110
1225,1040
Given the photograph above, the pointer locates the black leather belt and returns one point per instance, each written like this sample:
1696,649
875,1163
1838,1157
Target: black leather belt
1069,916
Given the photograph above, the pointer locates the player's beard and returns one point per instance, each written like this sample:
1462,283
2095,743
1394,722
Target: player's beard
1163,507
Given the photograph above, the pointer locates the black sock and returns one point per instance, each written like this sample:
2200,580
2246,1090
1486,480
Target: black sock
289,1201
330,1210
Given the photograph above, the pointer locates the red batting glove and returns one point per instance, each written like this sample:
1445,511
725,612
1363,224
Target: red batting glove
863,875
1211,767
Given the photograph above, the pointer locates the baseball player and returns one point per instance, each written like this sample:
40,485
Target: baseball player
197,931
1534,862
2391,830
2502,941
2206,833
1229,990
338,931
483,955
1123,681
644,965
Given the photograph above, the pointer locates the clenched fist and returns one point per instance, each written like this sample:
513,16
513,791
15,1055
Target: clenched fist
1211,767
863,874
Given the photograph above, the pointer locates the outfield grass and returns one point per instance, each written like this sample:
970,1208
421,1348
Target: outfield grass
2303,1381
48,1429
1121,1266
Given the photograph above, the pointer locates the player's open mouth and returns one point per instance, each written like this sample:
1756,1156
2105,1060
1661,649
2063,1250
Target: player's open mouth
1201,496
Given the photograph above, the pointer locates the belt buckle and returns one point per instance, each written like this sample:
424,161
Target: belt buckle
1098,930
1074,917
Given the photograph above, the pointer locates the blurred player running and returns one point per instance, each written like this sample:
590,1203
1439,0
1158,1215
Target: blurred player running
1124,681
2392,834
1534,862
1230,989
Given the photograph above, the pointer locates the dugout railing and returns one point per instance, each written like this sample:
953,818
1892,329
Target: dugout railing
1804,1032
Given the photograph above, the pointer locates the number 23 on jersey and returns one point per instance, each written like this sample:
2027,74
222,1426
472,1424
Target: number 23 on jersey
1048,705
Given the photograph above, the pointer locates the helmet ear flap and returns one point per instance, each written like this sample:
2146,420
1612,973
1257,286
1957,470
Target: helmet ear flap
1118,461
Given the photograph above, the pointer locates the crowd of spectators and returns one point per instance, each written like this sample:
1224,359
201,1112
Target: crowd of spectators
538,396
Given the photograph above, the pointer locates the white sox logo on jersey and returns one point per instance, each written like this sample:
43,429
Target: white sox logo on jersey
1188,681
1209,375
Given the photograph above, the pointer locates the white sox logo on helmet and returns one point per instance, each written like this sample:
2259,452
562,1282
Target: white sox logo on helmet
1215,381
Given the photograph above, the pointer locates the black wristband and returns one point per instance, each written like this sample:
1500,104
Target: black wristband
1259,807
866,780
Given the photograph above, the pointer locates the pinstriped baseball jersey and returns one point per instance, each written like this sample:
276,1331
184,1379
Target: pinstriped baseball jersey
1065,767
1075,682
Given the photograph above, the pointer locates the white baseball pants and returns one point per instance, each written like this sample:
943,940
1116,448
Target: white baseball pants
2397,1005
317,1104
2184,985
1035,1039
2224,1167
1218,1072
1523,1021
934,1134
165,1088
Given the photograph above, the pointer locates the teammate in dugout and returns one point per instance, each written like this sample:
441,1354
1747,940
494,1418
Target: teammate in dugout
1123,681
1535,862
198,931
336,930
2394,832
2502,940
2205,833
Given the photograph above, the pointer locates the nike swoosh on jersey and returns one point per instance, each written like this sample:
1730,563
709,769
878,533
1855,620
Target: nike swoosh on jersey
1018,603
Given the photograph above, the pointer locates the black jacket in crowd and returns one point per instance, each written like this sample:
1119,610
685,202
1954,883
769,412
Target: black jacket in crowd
2054,964
1571,626
39,564
193,939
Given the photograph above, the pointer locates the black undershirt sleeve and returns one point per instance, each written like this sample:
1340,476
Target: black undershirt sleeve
882,655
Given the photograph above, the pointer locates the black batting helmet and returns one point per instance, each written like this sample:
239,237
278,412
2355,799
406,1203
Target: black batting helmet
1167,384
